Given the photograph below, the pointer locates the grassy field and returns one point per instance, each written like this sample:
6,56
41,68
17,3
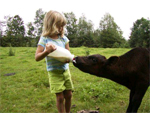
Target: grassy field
27,91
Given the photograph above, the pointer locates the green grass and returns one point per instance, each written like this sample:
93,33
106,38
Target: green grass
28,90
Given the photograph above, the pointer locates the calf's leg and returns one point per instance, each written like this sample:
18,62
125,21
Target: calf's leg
129,109
136,97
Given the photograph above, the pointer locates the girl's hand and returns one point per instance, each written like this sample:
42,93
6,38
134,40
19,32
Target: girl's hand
67,61
50,48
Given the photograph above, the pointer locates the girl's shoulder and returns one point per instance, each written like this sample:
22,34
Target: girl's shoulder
64,38
43,38
42,41
46,39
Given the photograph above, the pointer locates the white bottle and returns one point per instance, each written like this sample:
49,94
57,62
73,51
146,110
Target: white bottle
61,54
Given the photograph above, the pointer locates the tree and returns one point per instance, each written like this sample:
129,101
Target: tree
85,26
2,27
140,33
110,31
97,38
85,30
15,31
15,27
71,28
38,22
30,30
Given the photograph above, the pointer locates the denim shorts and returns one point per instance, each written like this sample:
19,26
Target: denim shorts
60,80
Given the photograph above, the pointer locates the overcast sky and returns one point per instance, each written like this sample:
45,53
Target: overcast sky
124,12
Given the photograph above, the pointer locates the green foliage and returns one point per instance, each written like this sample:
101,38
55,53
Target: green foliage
116,45
111,34
14,41
80,32
124,45
85,30
18,41
71,28
38,22
140,33
31,30
15,27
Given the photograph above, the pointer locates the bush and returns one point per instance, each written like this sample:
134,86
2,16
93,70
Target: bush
18,41
116,45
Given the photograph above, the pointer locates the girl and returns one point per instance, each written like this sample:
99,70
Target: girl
59,74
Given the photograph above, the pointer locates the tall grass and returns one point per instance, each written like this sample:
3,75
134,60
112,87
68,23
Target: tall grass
28,90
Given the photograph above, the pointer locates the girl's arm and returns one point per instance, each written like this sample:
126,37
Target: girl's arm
41,53
67,46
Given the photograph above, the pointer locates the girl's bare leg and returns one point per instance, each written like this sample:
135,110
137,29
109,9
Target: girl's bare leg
59,102
67,96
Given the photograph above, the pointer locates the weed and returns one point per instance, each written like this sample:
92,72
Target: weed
11,51
87,52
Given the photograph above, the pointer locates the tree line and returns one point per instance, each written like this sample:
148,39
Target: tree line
80,32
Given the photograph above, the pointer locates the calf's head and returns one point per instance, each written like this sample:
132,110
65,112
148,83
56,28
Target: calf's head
89,64
93,64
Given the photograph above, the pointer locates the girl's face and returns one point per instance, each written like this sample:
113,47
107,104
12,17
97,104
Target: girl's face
60,29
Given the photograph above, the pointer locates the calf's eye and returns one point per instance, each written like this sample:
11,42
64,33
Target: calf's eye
94,60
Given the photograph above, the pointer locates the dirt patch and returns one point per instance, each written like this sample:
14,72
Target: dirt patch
88,111
9,74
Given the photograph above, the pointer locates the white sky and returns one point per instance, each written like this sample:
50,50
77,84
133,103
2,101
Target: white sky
124,12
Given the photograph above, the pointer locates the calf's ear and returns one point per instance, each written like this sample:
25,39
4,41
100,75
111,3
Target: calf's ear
112,60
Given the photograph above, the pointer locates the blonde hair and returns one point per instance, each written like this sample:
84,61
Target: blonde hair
53,24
